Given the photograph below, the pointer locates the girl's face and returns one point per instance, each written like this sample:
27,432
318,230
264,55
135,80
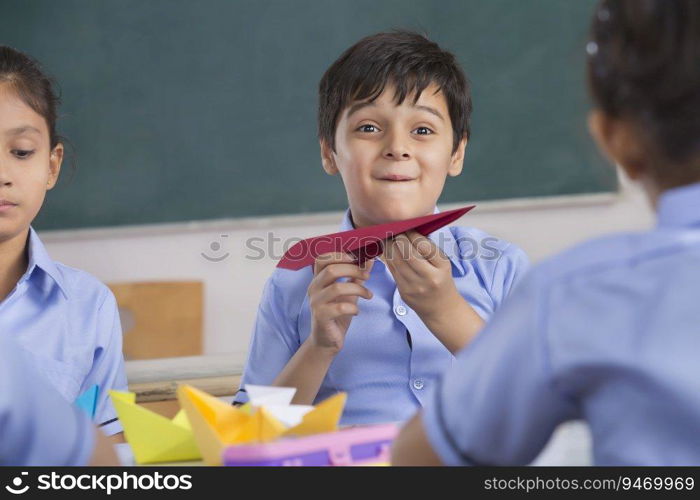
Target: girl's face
28,165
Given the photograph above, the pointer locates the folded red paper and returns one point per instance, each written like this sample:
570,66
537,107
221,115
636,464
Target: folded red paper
364,243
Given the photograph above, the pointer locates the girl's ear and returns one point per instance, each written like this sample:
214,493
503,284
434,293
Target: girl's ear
328,158
457,161
55,161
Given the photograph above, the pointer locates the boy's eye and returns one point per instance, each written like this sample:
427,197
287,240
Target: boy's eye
423,131
22,154
368,128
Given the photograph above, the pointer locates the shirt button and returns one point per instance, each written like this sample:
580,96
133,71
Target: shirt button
401,310
418,384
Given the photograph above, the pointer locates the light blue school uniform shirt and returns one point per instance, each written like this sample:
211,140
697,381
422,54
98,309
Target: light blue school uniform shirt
37,425
390,361
608,332
69,322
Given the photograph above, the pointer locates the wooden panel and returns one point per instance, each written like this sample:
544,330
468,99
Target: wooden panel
160,319
167,389
161,397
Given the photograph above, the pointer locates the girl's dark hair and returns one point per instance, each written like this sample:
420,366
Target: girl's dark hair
644,65
25,76
405,59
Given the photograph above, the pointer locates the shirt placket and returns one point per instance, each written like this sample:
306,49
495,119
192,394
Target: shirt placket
406,316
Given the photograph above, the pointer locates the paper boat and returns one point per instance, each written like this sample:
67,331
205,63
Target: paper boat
152,437
217,424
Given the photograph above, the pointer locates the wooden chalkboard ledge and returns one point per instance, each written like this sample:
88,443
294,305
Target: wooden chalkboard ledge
314,219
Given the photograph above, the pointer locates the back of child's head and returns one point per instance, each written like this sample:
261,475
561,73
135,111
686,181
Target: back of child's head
409,62
644,66
26,79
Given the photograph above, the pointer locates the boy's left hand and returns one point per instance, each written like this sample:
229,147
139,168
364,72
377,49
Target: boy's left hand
423,274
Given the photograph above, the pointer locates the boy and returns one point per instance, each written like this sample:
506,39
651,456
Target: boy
393,123
609,331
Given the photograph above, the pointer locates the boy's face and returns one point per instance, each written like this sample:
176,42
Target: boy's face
394,159
28,166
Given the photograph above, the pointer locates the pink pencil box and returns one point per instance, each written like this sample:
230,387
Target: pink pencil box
365,445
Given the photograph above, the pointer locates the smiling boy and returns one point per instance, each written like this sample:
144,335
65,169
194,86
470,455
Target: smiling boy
393,123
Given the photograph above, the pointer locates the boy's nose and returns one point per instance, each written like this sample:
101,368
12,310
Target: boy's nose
396,150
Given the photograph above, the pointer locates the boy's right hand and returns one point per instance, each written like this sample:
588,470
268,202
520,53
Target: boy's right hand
333,303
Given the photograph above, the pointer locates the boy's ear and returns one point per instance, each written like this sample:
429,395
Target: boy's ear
328,158
55,161
457,161
620,141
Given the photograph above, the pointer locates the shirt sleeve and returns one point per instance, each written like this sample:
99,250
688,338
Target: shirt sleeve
37,426
108,365
498,404
273,342
511,266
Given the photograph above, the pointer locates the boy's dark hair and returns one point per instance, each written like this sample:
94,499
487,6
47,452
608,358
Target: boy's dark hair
644,65
405,59
27,79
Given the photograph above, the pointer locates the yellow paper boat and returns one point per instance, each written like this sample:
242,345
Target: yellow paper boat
152,437
217,424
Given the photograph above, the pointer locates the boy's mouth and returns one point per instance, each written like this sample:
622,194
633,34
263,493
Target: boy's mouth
397,178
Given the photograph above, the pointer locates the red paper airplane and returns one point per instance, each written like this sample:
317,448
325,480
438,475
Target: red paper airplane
364,243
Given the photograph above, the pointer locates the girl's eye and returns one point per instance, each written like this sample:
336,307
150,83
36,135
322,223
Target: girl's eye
22,154
423,131
368,128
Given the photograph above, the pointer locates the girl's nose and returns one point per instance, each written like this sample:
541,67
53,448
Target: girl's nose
4,175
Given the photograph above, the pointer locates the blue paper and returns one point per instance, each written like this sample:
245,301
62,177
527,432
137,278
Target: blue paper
87,401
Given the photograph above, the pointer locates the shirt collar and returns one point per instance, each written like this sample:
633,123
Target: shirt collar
680,207
443,238
39,259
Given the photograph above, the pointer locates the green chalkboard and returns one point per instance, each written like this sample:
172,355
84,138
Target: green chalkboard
191,110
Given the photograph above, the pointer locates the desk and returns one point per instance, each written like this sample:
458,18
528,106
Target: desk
155,383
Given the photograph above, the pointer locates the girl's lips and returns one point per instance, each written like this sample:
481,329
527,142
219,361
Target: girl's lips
6,206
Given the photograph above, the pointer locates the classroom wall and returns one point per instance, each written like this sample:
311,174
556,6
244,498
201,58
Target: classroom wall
233,285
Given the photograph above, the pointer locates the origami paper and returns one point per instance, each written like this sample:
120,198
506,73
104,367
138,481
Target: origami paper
216,424
364,243
152,437
87,401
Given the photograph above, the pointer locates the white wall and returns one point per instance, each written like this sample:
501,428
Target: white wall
233,286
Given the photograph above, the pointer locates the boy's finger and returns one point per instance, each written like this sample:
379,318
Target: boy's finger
340,291
367,265
426,248
415,262
334,310
398,247
335,272
326,259
366,268
398,265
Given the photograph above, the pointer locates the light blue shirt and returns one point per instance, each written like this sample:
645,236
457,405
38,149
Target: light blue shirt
608,332
69,322
390,361
37,425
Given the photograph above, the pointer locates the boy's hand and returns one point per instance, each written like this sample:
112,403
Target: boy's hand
423,273
333,303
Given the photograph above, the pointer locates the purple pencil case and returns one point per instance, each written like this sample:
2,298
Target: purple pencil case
364,445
